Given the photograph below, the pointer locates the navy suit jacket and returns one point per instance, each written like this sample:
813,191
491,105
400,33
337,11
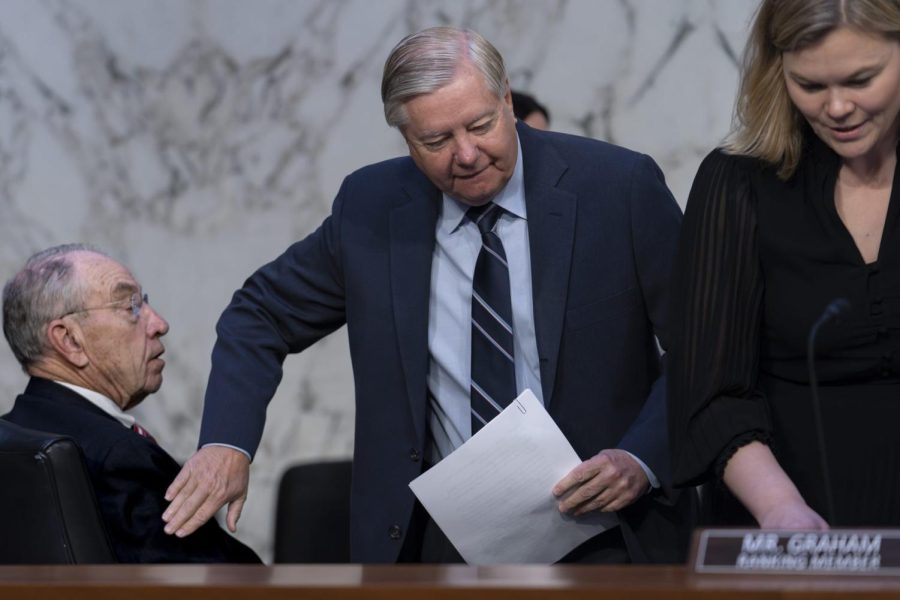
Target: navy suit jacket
130,475
602,231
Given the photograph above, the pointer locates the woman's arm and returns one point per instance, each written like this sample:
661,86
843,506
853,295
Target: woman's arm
758,481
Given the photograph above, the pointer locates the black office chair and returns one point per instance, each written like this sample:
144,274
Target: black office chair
312,520
49,511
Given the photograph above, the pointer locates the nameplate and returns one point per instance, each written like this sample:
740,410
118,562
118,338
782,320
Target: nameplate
844,551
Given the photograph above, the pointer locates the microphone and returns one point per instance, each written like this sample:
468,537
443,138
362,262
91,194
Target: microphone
835,309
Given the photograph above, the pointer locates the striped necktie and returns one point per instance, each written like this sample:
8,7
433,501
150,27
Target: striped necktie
493,367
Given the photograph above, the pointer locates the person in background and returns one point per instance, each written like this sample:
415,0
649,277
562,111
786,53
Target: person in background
79,324
527,109
494,258
798,210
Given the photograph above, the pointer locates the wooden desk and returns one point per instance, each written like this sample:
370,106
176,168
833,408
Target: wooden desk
218,582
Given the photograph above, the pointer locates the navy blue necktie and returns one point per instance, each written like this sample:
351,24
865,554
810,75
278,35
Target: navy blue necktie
493,366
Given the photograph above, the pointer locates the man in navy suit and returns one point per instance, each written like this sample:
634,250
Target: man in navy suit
81,327
589,230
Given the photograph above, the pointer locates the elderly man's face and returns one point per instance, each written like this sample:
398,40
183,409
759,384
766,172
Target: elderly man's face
463,137
123,349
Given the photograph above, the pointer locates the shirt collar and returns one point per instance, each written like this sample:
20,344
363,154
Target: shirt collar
102,402
511,198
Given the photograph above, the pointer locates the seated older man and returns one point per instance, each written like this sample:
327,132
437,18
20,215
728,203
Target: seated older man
80,325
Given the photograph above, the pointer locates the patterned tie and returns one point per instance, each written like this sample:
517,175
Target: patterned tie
493,367
143,432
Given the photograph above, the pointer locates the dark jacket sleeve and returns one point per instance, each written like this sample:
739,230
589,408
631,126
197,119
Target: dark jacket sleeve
716,315
655,222
283,308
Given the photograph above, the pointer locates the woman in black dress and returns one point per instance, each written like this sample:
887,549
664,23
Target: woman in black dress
799,208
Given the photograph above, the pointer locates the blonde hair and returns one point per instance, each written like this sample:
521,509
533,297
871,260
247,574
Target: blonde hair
767,125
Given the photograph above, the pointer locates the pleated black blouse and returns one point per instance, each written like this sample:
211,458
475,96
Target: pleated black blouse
759,260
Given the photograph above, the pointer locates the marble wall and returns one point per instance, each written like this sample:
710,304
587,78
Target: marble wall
196,139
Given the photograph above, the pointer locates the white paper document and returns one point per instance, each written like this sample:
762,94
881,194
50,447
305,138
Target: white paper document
492,496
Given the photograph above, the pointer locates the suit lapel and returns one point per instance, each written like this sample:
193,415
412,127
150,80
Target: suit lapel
551,234
412,226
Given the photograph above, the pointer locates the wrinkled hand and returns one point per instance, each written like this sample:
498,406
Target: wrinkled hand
213,476
607,482
792,516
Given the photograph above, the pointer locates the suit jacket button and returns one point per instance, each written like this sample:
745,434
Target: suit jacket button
395,532
414,455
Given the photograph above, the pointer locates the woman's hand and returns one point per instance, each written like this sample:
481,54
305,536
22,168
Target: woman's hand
792,515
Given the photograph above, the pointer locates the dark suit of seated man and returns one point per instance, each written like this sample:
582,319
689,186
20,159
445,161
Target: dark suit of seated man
81,327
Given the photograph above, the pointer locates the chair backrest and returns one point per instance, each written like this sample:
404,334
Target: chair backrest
48,511
312,520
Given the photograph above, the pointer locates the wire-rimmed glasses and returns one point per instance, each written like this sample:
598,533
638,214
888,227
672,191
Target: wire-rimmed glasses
137,303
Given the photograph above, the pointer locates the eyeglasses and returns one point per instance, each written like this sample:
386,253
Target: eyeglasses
137,303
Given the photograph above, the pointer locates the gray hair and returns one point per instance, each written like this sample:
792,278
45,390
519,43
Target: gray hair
426,61
41,291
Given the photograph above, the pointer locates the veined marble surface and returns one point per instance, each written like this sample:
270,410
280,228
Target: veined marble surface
196,139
